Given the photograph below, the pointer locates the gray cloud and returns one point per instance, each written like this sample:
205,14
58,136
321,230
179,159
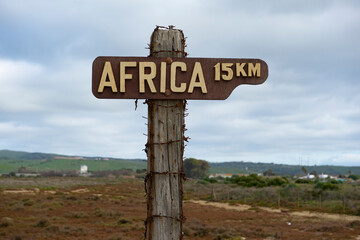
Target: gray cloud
307,109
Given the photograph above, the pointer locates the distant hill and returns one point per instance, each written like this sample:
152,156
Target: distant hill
13,160
279,169
8,154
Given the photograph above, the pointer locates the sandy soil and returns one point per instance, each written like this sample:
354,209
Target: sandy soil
305,214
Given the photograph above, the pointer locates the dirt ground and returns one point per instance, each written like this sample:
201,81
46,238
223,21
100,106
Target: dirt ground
116,210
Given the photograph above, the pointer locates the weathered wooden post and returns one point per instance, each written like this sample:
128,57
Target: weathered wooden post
166,79
165,148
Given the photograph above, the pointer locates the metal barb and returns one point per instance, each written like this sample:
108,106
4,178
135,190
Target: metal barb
136,103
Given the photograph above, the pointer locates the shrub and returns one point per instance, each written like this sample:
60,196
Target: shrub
354,177
213,180
195,168
106,213
210,180
77,215
291,186
252,180
277,182
141,170
286,179
304,181
203,182
42,223
6,222
333,181
123,221
326,186
196,228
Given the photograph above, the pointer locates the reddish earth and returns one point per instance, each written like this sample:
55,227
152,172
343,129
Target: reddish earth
117,210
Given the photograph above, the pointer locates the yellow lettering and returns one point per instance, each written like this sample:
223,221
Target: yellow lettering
240,69
107,72
226,67
254,69
173,86
147,77
197,74
217,72
123,75
163,77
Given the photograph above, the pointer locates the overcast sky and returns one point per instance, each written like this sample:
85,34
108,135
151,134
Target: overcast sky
307,112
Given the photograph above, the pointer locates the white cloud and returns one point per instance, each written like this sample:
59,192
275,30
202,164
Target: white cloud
350,159
8,128
19,135
309,105
17,79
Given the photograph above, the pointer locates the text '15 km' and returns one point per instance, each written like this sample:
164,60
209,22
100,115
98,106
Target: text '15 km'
177,78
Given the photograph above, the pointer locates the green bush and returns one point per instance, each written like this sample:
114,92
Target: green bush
252,180
210,180
326,186
277,182
203,182
195,168
354,177
304,181
141,170
333,181
286,179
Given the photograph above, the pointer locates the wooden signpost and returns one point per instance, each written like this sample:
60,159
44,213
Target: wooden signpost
174,78
167,79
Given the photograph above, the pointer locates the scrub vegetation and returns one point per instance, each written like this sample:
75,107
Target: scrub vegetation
115,208
330,196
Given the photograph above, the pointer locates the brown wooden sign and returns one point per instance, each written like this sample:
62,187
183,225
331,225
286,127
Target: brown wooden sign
176,78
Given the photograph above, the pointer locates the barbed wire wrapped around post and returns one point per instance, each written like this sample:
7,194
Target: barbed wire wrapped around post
165,148
149,179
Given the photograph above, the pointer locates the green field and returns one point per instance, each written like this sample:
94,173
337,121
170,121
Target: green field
227,170
12,165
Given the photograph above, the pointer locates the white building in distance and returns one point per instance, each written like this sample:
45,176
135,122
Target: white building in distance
83,169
